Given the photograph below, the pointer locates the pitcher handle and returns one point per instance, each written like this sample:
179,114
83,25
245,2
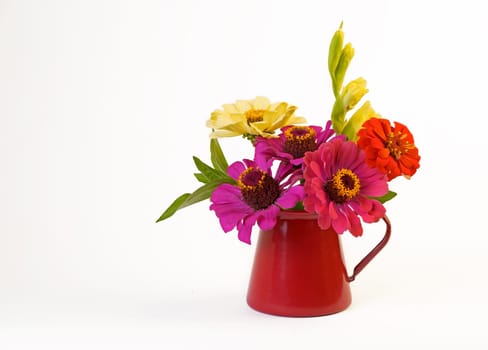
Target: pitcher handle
366,260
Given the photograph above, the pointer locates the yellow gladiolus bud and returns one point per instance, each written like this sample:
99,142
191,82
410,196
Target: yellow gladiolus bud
340,72
357,120
335,50
353,92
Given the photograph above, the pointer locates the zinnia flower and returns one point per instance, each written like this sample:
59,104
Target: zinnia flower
257,197
390,149
293,142
339,186
251,118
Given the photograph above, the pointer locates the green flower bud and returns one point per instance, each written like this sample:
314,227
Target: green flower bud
353,92
340,72
357,120
335,51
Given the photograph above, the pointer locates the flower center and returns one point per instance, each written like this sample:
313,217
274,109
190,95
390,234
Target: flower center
343,186
259,190
254,115
396,144
299,140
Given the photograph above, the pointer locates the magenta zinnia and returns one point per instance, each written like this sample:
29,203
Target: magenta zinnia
339,187
256,197
293,142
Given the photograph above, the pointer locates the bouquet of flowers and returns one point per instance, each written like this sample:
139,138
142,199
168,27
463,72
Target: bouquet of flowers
340,171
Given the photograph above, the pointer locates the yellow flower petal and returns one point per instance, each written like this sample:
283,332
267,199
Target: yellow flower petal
357,120
242,106
353,92
223,133
261,102
230,108
252,118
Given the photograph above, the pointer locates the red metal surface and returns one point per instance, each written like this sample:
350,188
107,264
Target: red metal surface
366,260
299,269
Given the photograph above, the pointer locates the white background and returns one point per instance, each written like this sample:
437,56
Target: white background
102,105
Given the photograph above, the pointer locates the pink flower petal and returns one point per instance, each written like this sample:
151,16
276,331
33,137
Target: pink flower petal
316,170
341,223
376,188
355,228
267,218
324,221
225,193
291,197
235,169
284,169
376,212
365,204
228,206
264,152
230,216
244,229
333,213
348,154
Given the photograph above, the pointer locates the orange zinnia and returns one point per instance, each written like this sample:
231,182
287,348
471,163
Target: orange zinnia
390,149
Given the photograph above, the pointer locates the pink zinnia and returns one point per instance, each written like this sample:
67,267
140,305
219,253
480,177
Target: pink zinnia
293,142
339,186
257,197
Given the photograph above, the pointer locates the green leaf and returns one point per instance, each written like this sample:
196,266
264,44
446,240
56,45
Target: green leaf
202,178
187,199
217,156
202,193
174,207
210,173
386,197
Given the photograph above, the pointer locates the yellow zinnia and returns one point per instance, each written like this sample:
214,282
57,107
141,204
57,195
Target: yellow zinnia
251,118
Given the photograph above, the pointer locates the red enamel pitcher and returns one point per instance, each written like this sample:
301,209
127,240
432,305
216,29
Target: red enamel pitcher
299,268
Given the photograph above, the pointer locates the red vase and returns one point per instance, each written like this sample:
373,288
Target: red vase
299,268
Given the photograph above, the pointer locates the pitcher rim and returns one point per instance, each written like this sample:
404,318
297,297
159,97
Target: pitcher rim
297,215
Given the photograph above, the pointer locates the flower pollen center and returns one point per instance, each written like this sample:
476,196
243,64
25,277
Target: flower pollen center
397,145
343,186
255,115
259,190
299,140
